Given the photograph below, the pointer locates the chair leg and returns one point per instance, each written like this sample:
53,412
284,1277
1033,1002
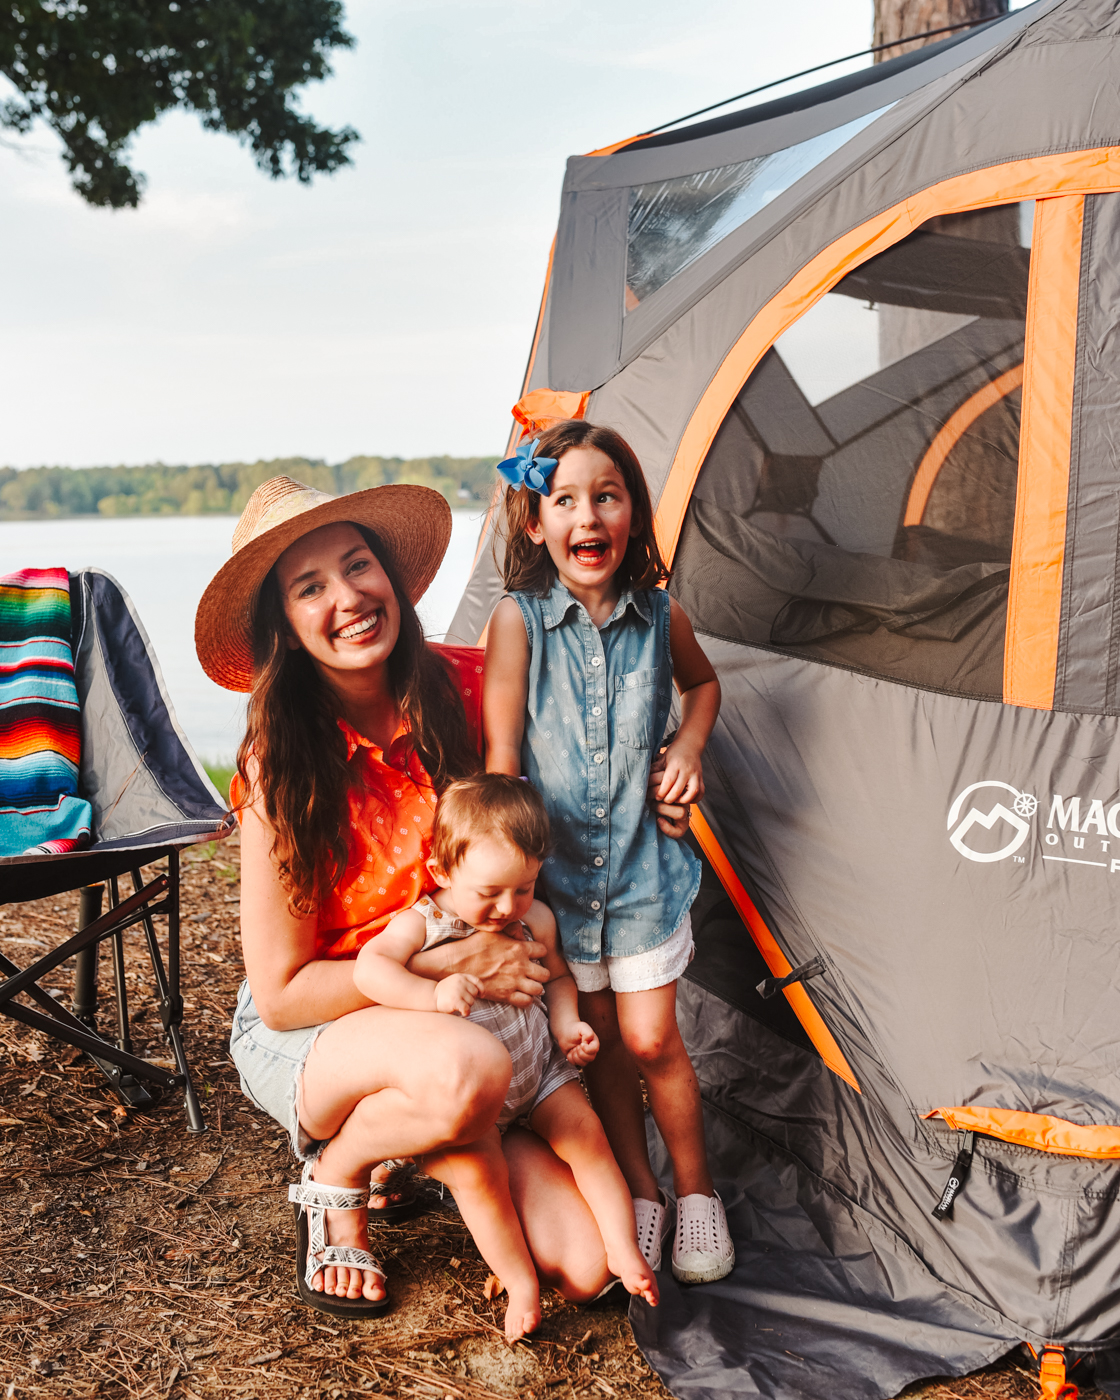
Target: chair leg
171,1002
131,1092
84,1005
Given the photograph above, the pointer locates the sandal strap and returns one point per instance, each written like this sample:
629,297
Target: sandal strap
323,1197
344,1255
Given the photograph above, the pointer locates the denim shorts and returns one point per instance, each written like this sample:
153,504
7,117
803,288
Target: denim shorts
270,1064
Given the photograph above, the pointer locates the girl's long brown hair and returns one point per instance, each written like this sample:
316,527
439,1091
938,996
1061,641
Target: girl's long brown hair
299,752
527,567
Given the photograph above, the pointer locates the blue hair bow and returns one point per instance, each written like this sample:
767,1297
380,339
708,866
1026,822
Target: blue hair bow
527,469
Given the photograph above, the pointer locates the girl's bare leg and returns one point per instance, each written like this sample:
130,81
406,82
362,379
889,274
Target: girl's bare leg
648,1024
477,1177
616,1093
559,1228
385,1083
568,1124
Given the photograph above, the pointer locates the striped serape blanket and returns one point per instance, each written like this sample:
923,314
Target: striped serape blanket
40,731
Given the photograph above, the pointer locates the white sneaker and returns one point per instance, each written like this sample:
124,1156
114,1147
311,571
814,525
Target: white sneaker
702,1248
650,1217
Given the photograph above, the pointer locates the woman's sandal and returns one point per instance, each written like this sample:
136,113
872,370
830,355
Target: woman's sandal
400,1182
311,1200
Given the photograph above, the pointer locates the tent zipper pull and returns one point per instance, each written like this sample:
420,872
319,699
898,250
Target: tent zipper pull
957,1178
770,986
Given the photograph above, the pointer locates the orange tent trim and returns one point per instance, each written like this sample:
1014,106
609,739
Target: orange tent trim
1037,1130
773,956
1034,605
1076,172
952,430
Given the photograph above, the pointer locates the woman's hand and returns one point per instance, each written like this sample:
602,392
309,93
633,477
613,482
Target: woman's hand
507,969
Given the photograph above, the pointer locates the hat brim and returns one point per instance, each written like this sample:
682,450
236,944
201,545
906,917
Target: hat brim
413,524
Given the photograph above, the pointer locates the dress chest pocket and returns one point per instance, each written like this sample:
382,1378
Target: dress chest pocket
634,696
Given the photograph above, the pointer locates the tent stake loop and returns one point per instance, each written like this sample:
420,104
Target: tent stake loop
770,986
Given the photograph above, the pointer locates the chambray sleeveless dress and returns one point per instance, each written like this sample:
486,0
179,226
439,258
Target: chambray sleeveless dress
597,707
539,1067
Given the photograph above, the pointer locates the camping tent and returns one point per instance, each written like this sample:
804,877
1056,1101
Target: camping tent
866,343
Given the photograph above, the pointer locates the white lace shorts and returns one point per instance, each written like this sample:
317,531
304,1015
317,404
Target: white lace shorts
643,971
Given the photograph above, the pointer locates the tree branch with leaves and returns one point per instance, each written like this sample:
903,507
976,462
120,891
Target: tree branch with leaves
95,71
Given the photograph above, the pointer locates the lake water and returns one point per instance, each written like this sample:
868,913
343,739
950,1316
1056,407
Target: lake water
164,563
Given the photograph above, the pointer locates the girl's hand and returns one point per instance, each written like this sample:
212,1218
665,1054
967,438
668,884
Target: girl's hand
683,779
672,817
456,994
579,1043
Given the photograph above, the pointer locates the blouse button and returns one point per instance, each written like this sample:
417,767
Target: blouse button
596,661
599,812
598,860
595,904
598,758
596,709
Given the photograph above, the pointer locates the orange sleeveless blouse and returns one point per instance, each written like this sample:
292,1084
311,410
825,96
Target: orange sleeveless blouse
391,807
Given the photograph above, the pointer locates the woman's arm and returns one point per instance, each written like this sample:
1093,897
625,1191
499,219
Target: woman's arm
505,688
290,986
695,678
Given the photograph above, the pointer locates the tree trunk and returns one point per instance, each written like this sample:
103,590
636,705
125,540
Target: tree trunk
894,18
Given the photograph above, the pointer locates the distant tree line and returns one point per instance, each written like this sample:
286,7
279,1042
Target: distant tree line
46,492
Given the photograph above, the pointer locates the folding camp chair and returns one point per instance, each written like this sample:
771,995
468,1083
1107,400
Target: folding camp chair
150,798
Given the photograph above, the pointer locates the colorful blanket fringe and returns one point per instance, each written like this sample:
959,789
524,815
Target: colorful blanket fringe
40,731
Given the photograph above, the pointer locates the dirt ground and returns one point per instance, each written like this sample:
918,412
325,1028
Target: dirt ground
143,1260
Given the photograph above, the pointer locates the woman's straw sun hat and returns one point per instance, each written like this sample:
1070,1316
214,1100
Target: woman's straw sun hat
413,524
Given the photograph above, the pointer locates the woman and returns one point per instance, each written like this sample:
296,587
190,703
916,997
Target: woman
352,714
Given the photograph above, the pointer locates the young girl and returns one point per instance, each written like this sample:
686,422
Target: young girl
490,836
577,686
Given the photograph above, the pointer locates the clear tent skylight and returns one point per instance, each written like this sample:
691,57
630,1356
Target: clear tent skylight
674,222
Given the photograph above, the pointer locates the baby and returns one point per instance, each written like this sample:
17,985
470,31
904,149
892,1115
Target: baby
490,837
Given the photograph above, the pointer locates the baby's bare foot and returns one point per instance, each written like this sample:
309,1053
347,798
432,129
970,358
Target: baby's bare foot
629,1265
523,1309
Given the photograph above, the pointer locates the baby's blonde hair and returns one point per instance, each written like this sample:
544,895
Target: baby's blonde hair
489,804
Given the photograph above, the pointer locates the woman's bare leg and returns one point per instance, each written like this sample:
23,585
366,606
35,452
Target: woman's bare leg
648,1023
385,1083
616,1094
563,1238
568,1123
477,1177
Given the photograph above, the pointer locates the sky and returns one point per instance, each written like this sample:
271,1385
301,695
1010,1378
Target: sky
387,309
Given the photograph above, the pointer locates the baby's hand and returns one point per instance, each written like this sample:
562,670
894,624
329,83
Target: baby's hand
457,994
683,779
579,1043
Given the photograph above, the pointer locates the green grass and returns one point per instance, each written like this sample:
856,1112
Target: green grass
220,775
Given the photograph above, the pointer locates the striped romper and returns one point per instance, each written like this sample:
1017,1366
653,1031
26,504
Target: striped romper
539,1066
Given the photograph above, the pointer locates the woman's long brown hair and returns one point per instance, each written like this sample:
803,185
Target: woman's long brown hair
299,752
527,567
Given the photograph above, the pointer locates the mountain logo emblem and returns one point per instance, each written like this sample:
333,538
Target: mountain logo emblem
1016,813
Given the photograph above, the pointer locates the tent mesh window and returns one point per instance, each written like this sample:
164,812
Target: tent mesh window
858,501
673,222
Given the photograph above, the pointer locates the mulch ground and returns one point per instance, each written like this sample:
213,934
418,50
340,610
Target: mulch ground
143,1260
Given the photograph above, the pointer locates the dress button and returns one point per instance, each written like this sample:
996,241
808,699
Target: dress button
596,661
595,904
596,709
598,860
599,812
598,758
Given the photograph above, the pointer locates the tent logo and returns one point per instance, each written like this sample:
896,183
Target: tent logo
1017,816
